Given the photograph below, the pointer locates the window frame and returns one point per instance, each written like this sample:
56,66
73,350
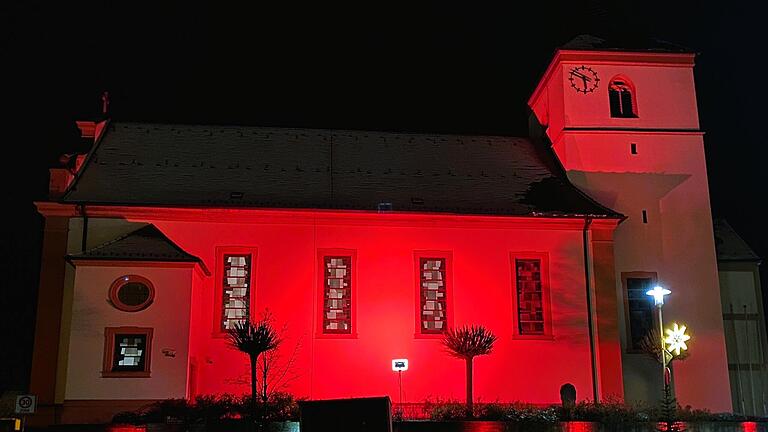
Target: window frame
118,283
653,276
545,295
109,352
626,82
448,256
218,302
320,329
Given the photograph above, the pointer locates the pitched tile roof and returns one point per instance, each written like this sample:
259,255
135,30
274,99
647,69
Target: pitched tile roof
729,245
144,244
237,166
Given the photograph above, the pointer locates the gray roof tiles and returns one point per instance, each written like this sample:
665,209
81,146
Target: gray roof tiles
729,245
239,166
144,244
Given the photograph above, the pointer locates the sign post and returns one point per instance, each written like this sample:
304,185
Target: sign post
25,404
400,365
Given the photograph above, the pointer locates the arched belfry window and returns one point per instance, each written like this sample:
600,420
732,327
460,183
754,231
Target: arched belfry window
621,95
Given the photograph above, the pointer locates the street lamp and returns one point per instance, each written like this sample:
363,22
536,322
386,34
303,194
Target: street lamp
658,292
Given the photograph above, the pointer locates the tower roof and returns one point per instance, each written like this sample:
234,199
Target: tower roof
237,166
587,42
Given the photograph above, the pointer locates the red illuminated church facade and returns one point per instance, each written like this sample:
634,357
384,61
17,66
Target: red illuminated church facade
366,246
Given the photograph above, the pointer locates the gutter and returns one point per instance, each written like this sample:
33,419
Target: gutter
588,288
84,237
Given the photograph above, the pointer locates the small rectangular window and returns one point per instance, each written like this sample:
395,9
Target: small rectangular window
645,217
433,295
337,295
633,148
130,352
127,352
639,307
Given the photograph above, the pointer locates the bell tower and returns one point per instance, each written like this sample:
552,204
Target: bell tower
624,124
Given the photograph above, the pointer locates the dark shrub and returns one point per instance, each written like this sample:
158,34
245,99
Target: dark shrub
282,407
609,412
210,410
531,415
445,410
491,411
128,417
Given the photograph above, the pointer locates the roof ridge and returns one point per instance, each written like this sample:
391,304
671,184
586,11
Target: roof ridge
315,129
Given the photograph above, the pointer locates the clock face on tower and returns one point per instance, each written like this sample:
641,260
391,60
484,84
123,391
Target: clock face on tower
583,79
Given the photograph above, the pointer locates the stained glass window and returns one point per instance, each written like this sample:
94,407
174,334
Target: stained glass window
530,297
337,295
432,283
129,352
236,286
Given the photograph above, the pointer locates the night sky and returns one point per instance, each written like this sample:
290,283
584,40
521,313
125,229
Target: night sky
428,68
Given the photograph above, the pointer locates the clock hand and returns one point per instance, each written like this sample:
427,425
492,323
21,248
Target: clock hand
578,74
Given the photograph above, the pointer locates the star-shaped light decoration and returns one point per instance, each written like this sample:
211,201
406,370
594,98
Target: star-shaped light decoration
658,294
676,339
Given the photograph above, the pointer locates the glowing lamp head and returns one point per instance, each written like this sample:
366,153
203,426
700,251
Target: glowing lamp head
400,365
658,294
676,339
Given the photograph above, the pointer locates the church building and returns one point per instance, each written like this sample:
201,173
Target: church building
366,246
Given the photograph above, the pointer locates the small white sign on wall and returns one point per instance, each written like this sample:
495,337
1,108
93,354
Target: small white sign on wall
399,365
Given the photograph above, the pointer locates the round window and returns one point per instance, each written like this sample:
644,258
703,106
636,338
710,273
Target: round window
131,293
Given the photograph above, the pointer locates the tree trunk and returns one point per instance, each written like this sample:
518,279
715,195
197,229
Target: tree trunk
264,394
470,407
265,372
254,387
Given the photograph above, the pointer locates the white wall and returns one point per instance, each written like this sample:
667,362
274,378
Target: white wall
667,178
91,313
99,232
746,339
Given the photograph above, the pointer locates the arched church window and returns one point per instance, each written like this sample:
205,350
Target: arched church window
621,95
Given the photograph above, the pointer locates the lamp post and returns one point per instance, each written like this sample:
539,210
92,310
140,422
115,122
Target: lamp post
400,365
658,292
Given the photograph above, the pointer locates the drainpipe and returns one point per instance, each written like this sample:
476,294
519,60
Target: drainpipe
749,361
740,386
84,238
588,287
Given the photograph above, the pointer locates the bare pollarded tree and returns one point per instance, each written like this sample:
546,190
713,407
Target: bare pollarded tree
468,342
254,339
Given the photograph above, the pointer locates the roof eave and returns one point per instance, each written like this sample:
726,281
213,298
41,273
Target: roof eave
76,260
